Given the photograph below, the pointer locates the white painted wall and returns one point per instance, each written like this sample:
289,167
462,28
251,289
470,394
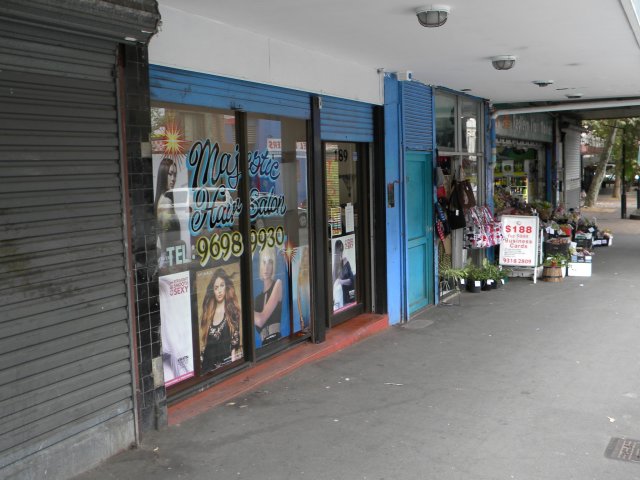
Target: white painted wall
200,44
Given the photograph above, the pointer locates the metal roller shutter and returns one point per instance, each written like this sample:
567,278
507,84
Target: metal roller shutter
346,120
572,168
417,112
129,20
65,366
179,86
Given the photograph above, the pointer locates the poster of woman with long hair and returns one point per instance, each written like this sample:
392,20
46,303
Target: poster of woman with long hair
219,316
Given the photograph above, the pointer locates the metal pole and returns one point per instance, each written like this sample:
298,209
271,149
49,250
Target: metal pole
623,182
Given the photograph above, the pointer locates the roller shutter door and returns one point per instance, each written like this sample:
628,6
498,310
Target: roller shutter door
65,366
346,120
572,168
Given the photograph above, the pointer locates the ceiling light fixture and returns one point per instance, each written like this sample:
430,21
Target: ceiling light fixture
543,83
503,62
433,15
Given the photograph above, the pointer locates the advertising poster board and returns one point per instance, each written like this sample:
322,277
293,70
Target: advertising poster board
175,317
519,247
344,271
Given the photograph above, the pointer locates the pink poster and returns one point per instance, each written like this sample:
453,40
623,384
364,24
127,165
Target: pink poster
175,318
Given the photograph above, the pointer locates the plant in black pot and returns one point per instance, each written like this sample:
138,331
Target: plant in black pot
493,274
504,275
486,280
475,278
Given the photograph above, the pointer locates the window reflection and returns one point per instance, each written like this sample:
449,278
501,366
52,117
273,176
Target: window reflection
468,123
445,121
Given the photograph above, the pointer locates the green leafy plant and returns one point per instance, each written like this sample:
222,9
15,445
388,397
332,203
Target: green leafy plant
470,271
454,274
544,209
491,270
556,260
474,272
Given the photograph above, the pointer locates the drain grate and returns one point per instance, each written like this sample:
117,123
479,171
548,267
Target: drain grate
623,449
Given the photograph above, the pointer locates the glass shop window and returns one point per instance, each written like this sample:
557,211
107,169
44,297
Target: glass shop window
279,227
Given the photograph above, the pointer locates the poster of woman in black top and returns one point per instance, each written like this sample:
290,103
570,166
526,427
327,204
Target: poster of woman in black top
219,313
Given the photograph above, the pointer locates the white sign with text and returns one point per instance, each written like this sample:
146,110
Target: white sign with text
519,245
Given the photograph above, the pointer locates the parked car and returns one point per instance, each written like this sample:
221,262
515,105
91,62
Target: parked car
610,175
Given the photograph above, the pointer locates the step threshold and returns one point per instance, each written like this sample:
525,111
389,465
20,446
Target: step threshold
281,364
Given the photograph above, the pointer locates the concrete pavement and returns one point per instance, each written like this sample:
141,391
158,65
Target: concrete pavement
526,382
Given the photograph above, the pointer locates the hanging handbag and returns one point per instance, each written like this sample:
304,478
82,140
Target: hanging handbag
441,192
465,194
442,226
455,213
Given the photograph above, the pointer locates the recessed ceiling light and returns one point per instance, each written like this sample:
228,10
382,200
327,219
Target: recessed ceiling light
543,83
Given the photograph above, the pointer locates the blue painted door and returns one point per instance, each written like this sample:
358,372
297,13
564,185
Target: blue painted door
419,228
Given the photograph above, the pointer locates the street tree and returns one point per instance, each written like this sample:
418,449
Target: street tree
620,148
608,132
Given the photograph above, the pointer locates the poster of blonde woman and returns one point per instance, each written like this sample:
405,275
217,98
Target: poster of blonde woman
175,327
344,271
271,304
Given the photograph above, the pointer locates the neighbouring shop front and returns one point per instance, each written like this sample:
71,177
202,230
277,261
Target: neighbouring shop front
67,371
263,220
523,172
462,177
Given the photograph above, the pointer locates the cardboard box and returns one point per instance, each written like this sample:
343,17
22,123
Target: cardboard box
579,269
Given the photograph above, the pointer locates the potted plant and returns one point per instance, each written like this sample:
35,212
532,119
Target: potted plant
488,275
544,209
553,266
475,278
452,278
493,272
504,275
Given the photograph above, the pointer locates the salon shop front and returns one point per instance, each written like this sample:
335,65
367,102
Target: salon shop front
262,238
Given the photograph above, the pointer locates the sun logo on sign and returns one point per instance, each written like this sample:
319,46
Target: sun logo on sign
173,143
